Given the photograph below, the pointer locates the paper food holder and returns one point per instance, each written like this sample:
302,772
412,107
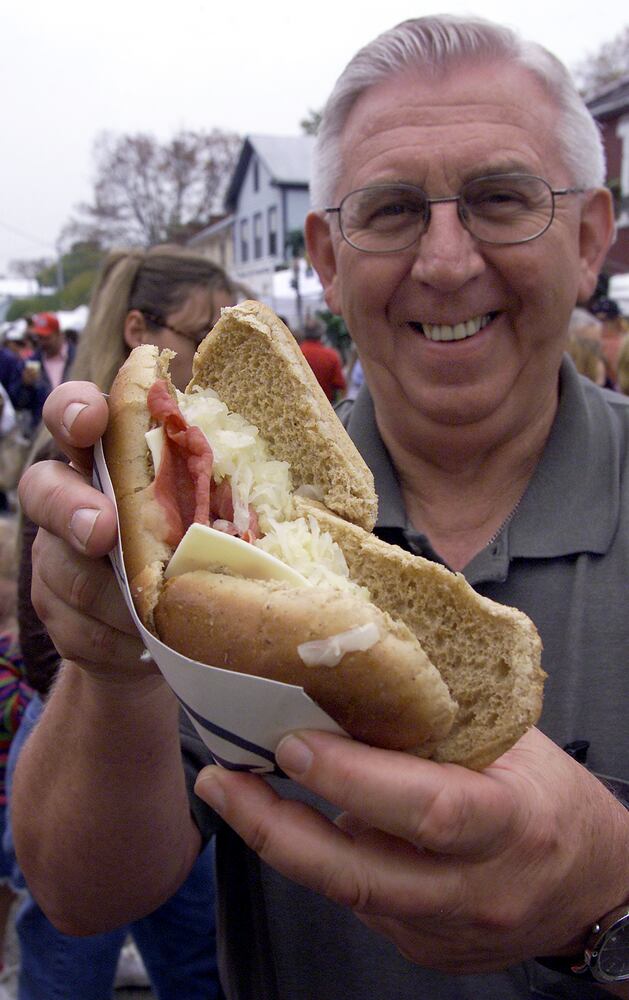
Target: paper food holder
241,719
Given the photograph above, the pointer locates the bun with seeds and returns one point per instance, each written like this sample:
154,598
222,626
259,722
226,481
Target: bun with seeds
246,516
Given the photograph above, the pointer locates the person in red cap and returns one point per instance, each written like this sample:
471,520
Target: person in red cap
47,367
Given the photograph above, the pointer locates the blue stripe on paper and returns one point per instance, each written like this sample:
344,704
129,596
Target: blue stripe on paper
236,740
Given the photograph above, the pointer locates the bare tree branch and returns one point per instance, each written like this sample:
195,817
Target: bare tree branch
147,192
600,70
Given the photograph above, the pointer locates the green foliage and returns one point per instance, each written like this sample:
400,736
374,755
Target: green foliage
336,332
82,257
295,242
310,124
75,292
78,291
33,304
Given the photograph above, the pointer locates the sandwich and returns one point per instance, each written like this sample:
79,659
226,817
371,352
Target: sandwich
246,518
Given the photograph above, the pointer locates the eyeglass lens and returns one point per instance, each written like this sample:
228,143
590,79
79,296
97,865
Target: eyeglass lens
498,209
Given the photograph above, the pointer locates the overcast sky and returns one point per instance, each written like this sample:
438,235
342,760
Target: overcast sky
70,69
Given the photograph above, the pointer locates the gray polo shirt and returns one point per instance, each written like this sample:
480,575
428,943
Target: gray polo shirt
563,559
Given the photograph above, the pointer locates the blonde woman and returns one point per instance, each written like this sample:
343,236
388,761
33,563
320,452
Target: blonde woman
169,297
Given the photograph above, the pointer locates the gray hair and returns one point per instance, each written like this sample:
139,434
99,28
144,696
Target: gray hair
435,44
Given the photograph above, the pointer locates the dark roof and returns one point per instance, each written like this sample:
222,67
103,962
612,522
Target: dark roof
612,101
287,158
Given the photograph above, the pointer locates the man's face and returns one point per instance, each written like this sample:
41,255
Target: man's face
51,344
437,135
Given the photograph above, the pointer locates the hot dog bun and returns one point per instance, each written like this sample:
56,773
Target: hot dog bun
449,674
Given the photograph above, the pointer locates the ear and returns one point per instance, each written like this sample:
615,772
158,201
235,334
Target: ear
134,329
320,249
596,235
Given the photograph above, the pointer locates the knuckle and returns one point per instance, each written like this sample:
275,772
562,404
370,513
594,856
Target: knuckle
84,590
439,820
259,838
40,598
346,889
102,642
501,916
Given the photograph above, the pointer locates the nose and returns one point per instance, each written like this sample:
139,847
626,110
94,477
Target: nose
447,256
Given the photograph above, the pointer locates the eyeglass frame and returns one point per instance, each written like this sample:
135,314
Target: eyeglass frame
554,193
156,320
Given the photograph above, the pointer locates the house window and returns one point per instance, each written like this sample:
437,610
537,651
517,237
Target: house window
244,240
272,223
257,235
256,176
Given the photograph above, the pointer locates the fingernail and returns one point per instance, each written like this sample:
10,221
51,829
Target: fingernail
293,755
70,414
208,787
82,524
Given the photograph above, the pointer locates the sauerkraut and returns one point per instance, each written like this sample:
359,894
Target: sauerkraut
242,455
312,552
264,484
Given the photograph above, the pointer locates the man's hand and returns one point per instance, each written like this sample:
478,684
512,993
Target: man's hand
465,872
105,757
76,596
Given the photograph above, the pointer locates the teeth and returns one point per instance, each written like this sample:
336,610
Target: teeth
458,332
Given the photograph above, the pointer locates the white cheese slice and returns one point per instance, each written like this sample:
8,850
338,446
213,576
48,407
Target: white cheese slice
202,547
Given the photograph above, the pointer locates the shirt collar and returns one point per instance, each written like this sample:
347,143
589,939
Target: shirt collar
572,502
363,430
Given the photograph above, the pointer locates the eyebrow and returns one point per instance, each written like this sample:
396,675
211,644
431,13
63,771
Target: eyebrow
495,169
506,167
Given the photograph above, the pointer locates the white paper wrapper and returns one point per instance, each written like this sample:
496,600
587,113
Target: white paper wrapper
241,719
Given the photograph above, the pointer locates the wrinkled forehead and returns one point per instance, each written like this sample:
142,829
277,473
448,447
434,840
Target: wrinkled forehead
499,115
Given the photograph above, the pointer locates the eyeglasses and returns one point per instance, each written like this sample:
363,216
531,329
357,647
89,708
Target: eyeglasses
196,336
503,209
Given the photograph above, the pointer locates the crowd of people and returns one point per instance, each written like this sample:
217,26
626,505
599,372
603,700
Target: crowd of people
459,224
599,343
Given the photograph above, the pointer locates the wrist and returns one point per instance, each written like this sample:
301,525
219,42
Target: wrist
116,691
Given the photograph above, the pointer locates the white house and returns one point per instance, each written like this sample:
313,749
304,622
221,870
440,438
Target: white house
266,203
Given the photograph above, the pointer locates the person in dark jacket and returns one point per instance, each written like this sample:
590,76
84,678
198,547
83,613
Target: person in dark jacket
47,367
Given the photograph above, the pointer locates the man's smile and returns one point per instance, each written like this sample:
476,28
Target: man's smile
459,331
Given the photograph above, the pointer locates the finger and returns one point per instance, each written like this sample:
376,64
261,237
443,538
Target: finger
63,502
439,807
94,645
82,583
85,614
374,873
76,414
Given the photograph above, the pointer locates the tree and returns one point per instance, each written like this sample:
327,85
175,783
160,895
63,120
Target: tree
295,242
595,73
31,269
336,332
310,124
148,192
82,257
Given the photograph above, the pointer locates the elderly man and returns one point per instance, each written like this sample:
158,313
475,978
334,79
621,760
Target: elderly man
460,215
